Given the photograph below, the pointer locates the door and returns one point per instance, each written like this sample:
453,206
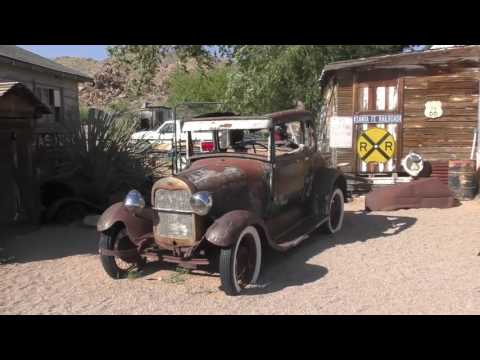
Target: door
378,125
377,148
8,189
291,157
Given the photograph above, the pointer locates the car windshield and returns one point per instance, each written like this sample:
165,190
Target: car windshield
287,139
249,141
167,128
241,141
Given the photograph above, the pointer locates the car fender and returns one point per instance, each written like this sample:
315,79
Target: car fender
226,229
326,178
135,225
323,184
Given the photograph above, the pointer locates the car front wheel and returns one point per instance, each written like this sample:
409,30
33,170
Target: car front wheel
335,213
240,264
116,238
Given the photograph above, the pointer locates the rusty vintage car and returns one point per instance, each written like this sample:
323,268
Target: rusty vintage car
262,184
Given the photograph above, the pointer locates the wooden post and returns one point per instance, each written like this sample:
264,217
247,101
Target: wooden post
478,128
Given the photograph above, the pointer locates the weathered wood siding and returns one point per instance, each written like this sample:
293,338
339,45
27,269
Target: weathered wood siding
33,79
450,136
344,102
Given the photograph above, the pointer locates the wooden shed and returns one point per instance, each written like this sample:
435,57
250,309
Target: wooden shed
19,109
426,101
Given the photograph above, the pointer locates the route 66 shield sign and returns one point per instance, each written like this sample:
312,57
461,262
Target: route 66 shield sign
433,109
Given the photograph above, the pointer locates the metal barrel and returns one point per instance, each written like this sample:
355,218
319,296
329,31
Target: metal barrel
462,179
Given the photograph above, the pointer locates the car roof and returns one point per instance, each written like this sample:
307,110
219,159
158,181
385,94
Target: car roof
276,118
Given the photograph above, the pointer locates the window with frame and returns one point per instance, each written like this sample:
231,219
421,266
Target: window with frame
377,97
289,138
52,98
168,129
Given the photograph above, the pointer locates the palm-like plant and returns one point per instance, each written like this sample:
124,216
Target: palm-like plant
98,153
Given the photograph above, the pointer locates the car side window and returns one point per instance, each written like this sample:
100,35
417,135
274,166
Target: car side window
289,138
167,129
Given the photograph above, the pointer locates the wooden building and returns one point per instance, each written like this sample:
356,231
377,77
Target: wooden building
52,83
38,101
427,101
19,111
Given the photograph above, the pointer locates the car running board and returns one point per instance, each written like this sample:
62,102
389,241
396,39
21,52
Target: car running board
290,244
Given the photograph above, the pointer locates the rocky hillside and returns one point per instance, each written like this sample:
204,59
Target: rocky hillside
110,82
85,65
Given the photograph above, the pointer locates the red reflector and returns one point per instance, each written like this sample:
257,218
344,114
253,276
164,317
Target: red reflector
206,146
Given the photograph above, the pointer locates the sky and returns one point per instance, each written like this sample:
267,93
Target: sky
97,52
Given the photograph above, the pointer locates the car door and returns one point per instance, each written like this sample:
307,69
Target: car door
290,167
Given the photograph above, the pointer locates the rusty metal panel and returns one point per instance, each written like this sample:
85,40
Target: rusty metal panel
423,193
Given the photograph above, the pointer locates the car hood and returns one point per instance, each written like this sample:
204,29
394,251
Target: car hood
234,183
213,175
143,135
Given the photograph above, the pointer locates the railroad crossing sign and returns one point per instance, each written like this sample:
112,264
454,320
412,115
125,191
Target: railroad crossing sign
376,145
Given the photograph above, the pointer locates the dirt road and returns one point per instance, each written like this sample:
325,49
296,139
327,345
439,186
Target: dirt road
404,262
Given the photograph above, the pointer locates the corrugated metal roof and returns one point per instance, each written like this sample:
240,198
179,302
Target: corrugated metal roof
468,55
443,55
16,53
19,88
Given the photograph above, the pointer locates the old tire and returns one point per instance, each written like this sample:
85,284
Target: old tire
240,264
335,212
116,238
70,212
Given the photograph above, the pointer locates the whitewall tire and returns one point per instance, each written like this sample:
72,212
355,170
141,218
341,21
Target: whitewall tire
335,212
240,264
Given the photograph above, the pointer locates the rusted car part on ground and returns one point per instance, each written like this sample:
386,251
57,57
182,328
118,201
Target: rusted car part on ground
65,199
264,184
421,193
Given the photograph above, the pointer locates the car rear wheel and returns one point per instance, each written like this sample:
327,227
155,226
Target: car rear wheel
117,238
240,264
335,213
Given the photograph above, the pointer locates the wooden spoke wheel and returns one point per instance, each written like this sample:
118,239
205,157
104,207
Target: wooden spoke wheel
117,267
240,264
336,212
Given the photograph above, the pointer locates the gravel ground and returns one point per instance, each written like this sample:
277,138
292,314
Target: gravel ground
403,262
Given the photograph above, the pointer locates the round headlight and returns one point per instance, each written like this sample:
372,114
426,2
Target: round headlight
201,202
134,201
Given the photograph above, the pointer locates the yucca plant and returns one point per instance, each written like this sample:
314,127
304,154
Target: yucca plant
99,153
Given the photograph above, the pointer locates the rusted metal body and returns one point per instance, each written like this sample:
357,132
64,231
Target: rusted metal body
284,196
462,179
422,193
136,225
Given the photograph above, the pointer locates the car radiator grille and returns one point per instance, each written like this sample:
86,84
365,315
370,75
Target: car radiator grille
176,200
175,218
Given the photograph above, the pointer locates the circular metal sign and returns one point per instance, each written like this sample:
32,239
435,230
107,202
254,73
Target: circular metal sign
412,164
376,145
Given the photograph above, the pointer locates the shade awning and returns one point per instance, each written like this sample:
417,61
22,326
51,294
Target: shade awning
9,87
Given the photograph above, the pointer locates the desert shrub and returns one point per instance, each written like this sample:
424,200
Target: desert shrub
197,85
99,154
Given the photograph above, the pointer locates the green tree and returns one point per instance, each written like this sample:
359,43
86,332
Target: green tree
142,61
197,85
263,78
275,77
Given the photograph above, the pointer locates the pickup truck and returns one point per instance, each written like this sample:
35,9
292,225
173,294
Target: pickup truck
165,133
